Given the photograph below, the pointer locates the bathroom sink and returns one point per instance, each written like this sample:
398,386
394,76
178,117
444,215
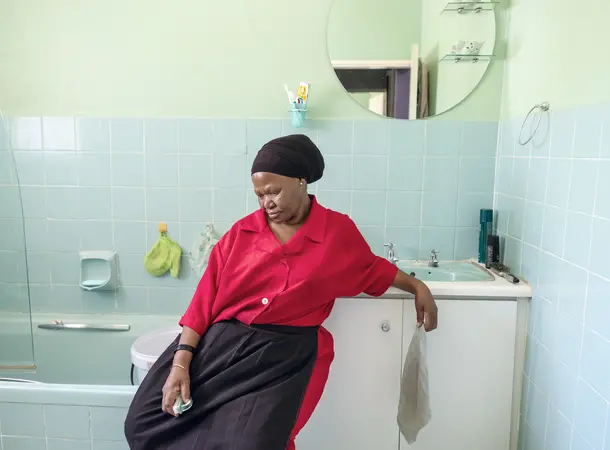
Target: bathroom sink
447,271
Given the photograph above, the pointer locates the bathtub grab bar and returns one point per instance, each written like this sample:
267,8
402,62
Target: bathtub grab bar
59,325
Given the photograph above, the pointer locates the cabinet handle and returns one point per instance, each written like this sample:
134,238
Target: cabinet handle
385,327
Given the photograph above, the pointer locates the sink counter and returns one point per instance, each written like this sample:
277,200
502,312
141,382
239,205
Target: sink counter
494,288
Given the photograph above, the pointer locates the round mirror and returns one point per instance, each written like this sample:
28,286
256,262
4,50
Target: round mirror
410,59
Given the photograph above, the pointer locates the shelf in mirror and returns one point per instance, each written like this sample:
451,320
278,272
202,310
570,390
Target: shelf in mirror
470,7
467,58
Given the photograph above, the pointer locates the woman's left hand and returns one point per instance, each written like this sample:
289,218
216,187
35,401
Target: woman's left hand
425,307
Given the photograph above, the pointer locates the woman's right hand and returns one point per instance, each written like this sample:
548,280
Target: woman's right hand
178,382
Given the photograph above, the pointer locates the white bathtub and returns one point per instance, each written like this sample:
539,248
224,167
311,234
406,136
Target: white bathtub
76,356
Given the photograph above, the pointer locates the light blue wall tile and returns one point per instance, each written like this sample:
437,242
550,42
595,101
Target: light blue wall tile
370,172
516,219
512,254
602,204
61,168
59,133
578,238
92,135
229,136
582,185
508,137
39,267
537,408
587,132
578,442
371,137
563,388
337,173
230,172
10,198
196,205
26,133
107,423
22,419
403,208
568,341
65,268
95,203
558,186
595,362
335,137
130,237
562,133
128,204
598,306
405,173
600,248
534,217
477,174
407,137
23,443
505,175
572,290
12,237
466,243
405,240
530,257
196,136
62,202
437,238
130,299
537,179
7,166
93,169
439,209
368,208
127,170
443,138
127,135
160,136
196,171
520,175
559,430
63,444
161,170
339,201
64,235
69,422
30,167
553,230
261,131
374,236
479,139
96,235
604,151
229,205
110,445
548,281
441,174
162,204
590,415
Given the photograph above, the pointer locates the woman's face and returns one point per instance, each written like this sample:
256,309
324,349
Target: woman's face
281,197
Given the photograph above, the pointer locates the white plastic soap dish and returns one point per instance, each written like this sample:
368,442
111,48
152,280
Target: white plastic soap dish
98,270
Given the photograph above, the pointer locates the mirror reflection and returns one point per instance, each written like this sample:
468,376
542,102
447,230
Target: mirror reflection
410,59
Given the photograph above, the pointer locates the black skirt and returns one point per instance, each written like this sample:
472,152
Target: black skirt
247,385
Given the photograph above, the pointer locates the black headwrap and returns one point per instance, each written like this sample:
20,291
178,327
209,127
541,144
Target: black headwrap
294,156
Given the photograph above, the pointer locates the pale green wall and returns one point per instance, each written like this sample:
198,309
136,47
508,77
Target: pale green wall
182,58
373,29
557,52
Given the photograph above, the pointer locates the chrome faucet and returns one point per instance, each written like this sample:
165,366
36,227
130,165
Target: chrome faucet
433,262
391,256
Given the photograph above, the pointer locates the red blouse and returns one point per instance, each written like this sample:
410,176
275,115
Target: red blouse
252,278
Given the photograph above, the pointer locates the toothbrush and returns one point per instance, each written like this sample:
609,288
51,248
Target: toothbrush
290,95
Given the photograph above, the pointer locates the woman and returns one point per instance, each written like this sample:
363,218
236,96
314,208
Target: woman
253,355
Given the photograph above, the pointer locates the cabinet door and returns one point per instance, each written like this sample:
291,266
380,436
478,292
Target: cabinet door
358,408
470,362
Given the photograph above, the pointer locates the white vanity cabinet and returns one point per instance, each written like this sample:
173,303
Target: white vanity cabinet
471,360
358,408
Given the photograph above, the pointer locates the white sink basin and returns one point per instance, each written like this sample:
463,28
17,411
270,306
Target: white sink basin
447,271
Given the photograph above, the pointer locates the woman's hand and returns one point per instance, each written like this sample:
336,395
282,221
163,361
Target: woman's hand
425,307
178,382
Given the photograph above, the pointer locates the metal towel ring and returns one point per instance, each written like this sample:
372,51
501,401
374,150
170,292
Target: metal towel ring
543,107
